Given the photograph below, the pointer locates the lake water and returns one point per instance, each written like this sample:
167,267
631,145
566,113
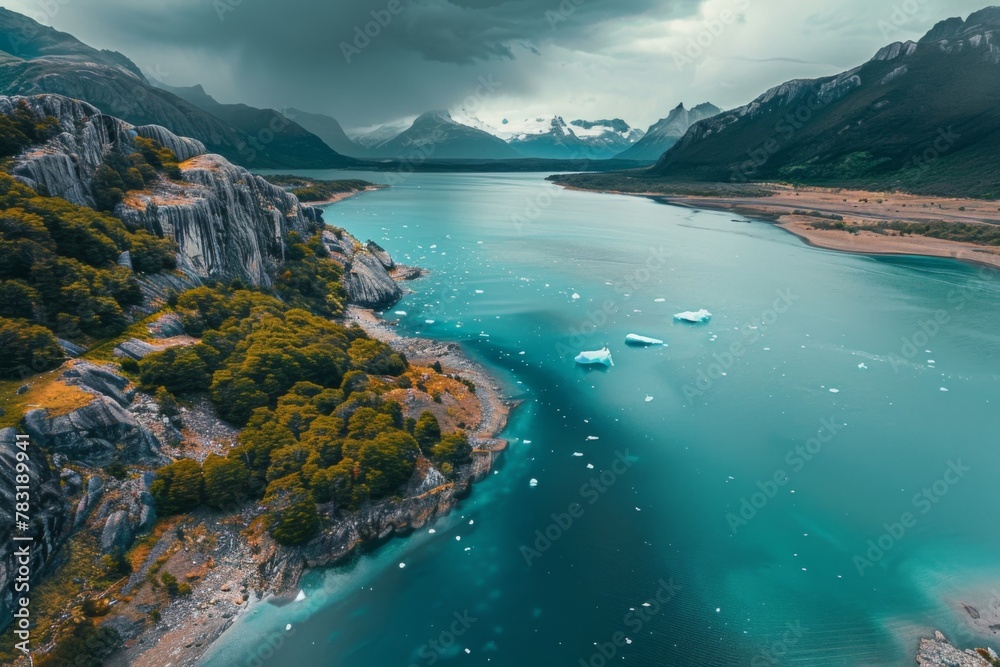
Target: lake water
845,398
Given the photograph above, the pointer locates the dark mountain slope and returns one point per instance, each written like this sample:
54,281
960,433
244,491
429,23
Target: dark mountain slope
435,135
44,60
919,116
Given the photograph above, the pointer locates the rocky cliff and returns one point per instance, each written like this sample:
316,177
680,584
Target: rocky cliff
227,222
95,434
366,270
100,432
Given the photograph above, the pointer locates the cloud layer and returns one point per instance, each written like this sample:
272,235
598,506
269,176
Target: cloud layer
634,59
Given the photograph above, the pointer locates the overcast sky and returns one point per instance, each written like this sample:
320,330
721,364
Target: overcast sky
631,59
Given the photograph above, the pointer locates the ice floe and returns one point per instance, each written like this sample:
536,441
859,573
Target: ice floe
636,339
697,317
596,357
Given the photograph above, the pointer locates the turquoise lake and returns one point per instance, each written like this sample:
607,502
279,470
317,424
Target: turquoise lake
737,474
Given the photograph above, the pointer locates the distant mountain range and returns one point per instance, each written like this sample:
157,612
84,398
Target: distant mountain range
38,59
542,137
920,116
666,132
552,138
436,135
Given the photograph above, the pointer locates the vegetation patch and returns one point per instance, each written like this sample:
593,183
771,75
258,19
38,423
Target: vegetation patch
980,234
312,190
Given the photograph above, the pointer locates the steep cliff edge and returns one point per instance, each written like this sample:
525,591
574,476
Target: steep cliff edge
226,221
366,270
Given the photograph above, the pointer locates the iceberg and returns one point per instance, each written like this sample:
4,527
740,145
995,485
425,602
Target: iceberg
696,317
600,357
636,339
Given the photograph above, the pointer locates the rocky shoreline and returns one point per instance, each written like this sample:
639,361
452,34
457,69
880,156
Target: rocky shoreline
239,574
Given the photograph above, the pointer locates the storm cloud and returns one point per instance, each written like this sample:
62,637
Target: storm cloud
371,61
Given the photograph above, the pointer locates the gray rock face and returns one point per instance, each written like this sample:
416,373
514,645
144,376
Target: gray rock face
100,380
71,349
134,348
95,434
366,271
49,512
368,284
100,431
381,255
167,326
117,535
184,148
938,652
226,221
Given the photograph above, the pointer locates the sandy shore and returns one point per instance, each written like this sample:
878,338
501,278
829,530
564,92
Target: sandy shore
341,196
859,207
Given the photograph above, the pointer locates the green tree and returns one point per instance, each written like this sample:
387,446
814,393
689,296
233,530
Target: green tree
18,299
454,448
427,431
388,462
225,482
167,402
178,487
27,349
150,253
293,516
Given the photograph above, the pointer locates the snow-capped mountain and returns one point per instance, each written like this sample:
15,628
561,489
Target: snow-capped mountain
667,131
459,134
369,137
552,137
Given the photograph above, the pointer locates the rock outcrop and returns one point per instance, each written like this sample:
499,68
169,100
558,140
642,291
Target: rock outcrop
366,270
226,221
101,431
937,652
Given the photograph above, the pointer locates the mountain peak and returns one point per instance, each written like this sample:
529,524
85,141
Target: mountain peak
955,28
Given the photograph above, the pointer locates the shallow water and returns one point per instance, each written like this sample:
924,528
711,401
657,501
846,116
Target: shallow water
853,352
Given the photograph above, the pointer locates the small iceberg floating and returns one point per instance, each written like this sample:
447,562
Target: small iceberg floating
636,339
697,317
600,357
